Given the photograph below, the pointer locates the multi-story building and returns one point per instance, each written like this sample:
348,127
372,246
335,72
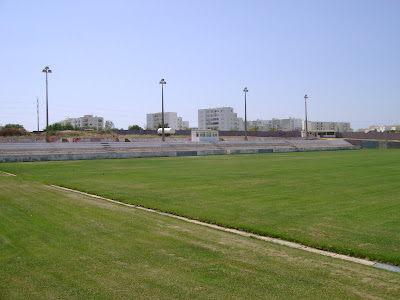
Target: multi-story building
170,118
185,125
182,124
87,121
328,126
291,124
220,118
262,125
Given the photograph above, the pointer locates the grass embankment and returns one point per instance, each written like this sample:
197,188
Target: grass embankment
343,201
57,245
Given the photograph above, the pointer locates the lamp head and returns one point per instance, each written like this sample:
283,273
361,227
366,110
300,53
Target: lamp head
46,70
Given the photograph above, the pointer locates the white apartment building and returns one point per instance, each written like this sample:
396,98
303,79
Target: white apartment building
87,121
220,118
185,125
328,126
291,124
170,118
262,125
182,124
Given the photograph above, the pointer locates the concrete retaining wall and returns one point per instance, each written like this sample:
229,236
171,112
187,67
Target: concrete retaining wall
368,144
369,135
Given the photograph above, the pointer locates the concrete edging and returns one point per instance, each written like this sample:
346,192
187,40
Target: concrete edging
244,233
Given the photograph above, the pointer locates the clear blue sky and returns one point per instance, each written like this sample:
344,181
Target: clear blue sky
108,57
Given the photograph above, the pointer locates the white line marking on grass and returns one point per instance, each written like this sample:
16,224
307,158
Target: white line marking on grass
9,174
244,233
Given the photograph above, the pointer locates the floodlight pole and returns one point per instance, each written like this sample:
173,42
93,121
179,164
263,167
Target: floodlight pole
47,70
37,101
245,90
162,82
305,104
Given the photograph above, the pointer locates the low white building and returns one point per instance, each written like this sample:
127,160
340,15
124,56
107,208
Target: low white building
219,118
87,121
205,135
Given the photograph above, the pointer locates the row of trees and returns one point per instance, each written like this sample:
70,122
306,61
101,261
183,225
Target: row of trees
109,125
60,127
16,126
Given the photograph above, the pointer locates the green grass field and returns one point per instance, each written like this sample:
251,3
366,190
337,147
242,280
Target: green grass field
60,245
343,201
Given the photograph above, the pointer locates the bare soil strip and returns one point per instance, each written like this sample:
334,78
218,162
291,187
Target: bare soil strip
246,234
8,174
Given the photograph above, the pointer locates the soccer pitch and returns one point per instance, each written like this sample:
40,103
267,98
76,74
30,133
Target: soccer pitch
60,245
341,201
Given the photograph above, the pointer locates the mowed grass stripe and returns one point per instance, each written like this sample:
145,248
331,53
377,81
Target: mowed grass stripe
241,233
67,246
342,201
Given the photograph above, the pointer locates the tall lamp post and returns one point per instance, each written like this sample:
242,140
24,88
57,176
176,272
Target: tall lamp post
47,70
37,100
305,104
162,82
245,90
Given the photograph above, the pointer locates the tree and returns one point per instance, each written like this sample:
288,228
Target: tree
16,126
135,127
55,127
165,125
255,128
108,125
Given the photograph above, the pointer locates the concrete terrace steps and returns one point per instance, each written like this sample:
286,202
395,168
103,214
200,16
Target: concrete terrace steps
100,150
